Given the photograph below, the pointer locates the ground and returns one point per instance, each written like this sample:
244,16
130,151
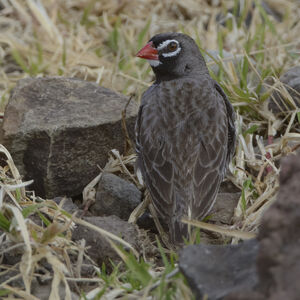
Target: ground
97,41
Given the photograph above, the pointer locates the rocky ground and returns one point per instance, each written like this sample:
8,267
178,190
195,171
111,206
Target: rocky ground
47,144
67,178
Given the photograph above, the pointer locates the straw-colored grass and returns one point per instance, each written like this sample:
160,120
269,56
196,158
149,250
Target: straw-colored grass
97,41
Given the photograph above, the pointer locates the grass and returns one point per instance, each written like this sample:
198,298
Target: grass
97,41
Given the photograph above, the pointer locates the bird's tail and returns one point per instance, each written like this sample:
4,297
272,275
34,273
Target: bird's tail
179,230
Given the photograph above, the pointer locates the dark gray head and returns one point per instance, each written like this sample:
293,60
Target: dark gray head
172,55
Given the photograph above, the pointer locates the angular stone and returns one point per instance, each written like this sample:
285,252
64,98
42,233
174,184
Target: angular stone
99,248
146,222
215,271
42,291
223,209
278,259
68,205
115,196
279,256
59,130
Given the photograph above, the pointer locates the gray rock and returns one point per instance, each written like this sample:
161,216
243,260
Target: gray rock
228,187
115,196
42,291
6,275
223,209
13,256
278,102
68,205
227,56
279,256
216,271
278,259
59,130
146,222
99,248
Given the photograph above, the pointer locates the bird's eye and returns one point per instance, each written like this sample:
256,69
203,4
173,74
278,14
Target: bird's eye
172,46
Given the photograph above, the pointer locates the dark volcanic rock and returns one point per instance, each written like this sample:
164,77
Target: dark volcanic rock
278,260
68,205
146,222
59,130
223,209
291,80
217,270
228,187
99,248
273,273
279,256
115,196
43,291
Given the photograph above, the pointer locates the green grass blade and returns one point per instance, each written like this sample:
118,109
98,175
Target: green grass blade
251,130
139,270
4,292
20,61
28,210
163,255
4,223
266,17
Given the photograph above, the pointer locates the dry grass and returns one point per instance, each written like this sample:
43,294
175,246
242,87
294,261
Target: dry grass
96,41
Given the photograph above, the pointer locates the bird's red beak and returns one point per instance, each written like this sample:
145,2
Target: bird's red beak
148,52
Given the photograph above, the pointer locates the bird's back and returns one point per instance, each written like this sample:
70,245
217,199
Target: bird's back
182,136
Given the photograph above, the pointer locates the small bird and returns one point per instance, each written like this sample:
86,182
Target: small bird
185,134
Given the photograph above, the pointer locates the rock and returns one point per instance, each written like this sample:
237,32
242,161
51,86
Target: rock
115,196
42,291
99,248
269,7
278,259
223,209
13,256
245,295
228,187
229,58
278,103
146,222
68,205
6,275
59,130
215,271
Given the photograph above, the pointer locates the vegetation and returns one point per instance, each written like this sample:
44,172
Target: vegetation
97,41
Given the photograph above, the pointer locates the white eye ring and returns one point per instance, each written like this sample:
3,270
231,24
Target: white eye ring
165,44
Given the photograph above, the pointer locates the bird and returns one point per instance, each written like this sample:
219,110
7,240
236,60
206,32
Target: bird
185,132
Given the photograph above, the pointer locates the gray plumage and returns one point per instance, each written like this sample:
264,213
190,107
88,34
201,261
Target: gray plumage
185,134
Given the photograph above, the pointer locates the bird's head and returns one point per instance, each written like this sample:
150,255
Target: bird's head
173,55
